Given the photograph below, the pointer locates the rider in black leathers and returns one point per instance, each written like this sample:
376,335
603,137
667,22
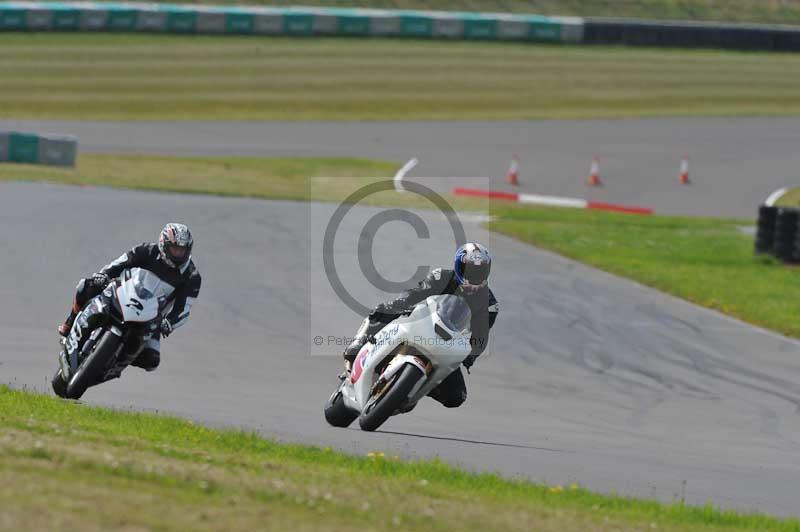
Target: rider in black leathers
468,278
170,260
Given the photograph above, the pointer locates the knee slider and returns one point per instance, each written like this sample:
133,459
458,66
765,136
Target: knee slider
148,359
454,401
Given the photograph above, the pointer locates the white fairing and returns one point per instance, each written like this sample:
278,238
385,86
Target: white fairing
417,331
139,294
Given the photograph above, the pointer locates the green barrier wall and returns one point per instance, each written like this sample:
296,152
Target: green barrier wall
17,147
66,16
23,148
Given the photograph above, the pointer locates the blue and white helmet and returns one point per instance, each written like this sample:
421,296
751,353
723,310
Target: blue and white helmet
175,244
472,266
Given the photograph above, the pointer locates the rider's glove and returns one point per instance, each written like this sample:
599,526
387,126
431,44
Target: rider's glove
100,280
166,327
469,361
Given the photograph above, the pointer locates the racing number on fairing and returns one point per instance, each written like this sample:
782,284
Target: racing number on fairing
136,304
73,340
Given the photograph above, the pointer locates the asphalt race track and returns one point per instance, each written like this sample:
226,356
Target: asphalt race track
735,162
589,379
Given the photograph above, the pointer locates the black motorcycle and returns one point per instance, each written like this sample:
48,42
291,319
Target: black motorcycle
107,334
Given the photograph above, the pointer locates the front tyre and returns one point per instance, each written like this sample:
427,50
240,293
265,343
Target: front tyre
91,370
59,385
390,399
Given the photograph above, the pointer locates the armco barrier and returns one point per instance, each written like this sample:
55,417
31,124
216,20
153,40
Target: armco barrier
296,21
16,147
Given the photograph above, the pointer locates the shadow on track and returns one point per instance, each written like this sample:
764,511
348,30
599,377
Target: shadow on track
476,442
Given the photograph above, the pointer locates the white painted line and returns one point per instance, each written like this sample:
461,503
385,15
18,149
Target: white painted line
554,201
398,177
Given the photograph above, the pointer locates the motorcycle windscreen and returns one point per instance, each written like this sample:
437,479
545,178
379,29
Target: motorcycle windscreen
137,295
454,312
144,283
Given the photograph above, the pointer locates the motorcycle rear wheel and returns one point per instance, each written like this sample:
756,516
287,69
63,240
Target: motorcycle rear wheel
336,412
375,414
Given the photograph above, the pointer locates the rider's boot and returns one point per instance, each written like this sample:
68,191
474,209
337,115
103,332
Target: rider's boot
66,327
351,351
407,408
367,329
347,368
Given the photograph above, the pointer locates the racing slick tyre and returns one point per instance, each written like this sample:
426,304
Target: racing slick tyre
90,372
336,412
390,399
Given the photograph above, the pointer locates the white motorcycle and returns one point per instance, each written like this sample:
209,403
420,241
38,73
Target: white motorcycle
107,334
407,359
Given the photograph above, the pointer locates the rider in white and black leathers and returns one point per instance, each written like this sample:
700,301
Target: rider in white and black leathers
171,260
468,278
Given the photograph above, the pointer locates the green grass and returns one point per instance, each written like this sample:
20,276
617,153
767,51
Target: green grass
287,178
790,199
162,77
65,466
774,11
267,177
707,261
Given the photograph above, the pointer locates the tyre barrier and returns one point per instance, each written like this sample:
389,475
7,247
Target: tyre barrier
691,34
52,150
785,237
765,229
294,21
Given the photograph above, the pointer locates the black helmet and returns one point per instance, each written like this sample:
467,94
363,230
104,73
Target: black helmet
175,244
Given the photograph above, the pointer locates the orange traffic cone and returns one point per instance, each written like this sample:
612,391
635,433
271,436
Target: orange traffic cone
594,173
512,177
683,174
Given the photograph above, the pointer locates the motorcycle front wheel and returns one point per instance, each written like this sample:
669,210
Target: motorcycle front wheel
390,399
90,372
59,385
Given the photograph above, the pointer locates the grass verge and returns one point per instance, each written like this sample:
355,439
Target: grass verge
707,261
300,179
266,177
58,459
169,77
790,199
